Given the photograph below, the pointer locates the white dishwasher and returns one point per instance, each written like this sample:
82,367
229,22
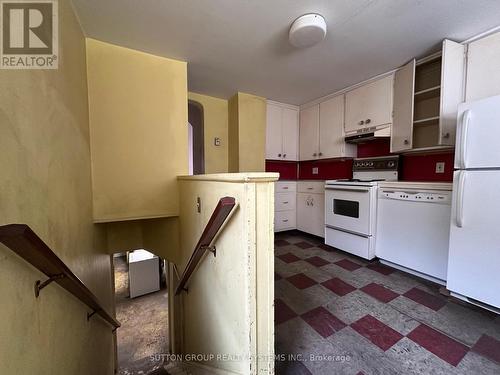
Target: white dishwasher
413,227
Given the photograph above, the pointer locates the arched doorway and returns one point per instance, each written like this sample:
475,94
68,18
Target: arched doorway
196,143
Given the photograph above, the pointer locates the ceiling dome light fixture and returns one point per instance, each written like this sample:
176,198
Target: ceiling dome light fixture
307,30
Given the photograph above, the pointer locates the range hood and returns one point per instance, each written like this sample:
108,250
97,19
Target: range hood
368,134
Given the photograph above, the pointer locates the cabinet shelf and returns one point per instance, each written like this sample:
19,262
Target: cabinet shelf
426,121
427,93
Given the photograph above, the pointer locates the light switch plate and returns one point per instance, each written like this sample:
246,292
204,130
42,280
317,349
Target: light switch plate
315,170
217,141
440,167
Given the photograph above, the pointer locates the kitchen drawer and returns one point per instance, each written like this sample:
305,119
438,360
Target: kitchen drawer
284,220
285,186
316,187
285,201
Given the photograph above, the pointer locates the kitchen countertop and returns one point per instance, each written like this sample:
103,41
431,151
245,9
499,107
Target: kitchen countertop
446,186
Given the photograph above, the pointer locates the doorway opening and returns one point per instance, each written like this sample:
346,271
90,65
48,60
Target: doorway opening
196,140
141,301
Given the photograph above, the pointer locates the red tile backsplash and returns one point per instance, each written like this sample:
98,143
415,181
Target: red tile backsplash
286,169
414,167
328,169
377,147
421,167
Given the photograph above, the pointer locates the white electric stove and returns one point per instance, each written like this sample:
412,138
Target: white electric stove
351,205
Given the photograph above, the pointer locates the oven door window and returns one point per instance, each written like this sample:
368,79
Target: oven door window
346,208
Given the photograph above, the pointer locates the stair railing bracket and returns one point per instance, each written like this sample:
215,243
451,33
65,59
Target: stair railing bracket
39,285
90,315
212,249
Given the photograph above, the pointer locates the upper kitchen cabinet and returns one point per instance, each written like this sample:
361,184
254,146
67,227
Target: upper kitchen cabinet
426,96
309,133
322,131
331,130
282,131
369,105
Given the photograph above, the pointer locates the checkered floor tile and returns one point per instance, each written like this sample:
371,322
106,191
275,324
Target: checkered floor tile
339,314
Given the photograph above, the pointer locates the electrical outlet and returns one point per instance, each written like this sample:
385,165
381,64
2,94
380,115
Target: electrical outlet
440,167
217,141
315,170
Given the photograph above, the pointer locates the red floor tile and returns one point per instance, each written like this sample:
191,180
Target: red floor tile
439,344
326,247
348,265
338,286
379,292
281,242
282,312
426,299
301,281
292,368
377,332
380,268
488,347
304,245
288,258
323,321
317,261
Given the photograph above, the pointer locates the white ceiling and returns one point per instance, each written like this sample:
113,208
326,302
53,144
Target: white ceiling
242,45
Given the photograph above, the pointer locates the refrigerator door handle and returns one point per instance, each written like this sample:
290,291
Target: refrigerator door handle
464,129
459,210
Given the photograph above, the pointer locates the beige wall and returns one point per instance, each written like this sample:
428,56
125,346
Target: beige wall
138,121
215,122
228,309
45,182
247,133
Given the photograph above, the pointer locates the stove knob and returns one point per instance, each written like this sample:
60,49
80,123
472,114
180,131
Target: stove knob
371,164
390,164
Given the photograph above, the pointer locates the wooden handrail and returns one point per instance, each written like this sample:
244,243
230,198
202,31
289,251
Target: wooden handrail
25,243
219,216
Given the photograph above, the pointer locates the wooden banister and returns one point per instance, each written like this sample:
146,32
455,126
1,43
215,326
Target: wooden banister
25,243
219,216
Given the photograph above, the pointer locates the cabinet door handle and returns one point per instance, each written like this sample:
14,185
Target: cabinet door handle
314,154
406,142
320,154
446,135
368,121
361,122
279,155
285,187
310,188
284,155
285,221
285,202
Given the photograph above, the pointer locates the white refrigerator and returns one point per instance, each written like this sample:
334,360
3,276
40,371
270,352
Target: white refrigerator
474,254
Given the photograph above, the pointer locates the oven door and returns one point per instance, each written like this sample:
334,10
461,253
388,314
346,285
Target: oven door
350,208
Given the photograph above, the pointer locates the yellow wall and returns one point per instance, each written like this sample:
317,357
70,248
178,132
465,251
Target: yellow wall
138,121
45,182
247,133
215,123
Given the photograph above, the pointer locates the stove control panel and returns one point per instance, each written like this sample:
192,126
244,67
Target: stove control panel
385,163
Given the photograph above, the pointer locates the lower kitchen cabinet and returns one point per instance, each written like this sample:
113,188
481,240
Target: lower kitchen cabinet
285,196
311,207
